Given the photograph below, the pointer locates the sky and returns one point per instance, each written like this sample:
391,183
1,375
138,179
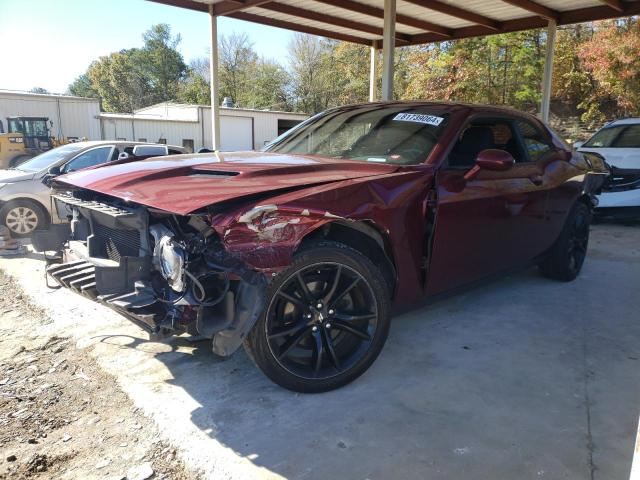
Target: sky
48,43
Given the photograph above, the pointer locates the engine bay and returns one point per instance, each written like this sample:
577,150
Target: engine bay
168,273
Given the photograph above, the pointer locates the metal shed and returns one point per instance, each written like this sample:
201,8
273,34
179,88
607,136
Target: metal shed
190,126
72,117
78,118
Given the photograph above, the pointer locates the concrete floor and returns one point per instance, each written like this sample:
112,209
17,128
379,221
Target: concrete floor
523,378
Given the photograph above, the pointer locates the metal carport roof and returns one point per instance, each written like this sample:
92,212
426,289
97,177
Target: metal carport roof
417,21
385,24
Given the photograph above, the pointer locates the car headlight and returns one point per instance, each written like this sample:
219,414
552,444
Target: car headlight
168,258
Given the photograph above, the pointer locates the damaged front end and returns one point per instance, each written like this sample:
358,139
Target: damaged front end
168,273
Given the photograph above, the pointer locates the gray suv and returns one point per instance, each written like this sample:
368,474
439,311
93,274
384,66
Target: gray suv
25,203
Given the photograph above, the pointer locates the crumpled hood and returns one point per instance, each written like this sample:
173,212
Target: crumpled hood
182,184
11,176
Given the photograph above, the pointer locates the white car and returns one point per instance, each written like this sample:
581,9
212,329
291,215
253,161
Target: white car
618,142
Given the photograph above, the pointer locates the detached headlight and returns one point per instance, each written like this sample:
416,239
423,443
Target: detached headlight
168,258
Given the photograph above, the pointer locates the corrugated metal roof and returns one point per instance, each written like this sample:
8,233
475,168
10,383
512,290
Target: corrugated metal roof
418,21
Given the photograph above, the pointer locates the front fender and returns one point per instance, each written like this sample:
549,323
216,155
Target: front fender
266,236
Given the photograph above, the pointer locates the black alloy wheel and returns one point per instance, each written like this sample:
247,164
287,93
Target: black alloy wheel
578,241
566,258
325,320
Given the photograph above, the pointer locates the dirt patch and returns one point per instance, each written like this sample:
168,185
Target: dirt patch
61,416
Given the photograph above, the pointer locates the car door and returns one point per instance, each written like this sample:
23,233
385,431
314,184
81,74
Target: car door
492,222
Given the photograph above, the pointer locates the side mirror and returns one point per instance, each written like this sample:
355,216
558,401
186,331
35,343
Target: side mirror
123,156
577,145
491,159
55,170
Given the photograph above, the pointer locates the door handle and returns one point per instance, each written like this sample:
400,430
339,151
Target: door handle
537,180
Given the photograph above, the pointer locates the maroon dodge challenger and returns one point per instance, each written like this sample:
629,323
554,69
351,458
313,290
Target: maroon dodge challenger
300,251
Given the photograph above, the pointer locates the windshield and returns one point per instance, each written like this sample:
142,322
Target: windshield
398,134
620,136
47,159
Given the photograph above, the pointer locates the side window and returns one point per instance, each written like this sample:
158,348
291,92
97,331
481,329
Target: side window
536,144
629,138
89,159
481,135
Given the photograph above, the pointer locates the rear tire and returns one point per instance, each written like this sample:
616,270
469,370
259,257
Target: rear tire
325,321
567,255
23,217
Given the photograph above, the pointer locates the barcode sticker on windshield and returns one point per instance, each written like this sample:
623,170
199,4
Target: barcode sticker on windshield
419,118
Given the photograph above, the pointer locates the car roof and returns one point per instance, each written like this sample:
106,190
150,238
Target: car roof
449,107
624,121
97,143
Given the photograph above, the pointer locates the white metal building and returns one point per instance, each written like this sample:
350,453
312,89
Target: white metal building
190,126
172,123
72,117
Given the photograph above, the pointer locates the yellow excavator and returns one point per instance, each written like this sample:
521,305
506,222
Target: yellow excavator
25,137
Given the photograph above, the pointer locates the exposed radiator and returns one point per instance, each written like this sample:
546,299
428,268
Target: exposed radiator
117,243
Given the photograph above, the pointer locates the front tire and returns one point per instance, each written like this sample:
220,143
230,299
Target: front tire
567,255
23,217
325,321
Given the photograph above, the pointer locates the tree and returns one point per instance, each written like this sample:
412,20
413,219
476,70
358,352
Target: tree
313,82
39,90
119,83
259,83
137,77
195,86
82,87
160,63
268,87
612,57
237,61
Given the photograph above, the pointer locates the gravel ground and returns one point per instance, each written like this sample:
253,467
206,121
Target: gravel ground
61,416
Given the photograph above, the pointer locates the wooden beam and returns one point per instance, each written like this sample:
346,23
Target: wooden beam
330,19
272,22
227,7
615,4
457,12
379,13
536,8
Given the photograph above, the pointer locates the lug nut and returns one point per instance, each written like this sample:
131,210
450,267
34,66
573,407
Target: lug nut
308,315
314,329
328,325
319,305
331,312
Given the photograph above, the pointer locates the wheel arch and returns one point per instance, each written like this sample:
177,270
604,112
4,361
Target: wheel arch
363,236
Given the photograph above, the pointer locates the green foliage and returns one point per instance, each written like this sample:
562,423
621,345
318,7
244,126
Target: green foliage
500,70
596,72
39,90
136,77
612,57
82,87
